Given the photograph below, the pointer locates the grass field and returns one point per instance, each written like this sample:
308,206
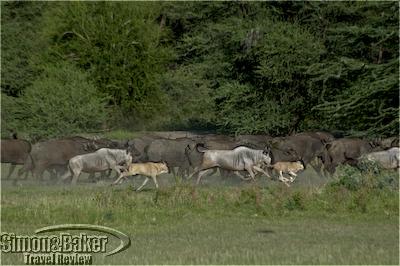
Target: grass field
237,224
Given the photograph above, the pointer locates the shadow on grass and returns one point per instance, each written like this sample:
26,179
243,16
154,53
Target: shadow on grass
265,231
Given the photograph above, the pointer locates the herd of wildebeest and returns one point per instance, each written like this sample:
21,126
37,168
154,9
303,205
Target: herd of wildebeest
190,154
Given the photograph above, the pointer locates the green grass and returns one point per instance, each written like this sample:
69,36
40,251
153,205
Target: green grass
220,225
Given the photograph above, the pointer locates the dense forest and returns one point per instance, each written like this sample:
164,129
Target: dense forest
233,67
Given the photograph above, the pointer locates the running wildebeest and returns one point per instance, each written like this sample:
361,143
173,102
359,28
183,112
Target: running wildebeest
98,161
348,150
324,137
140,145
171,151
388,159
302,148
148,169
238,159
391,142
57,152
253,141
15,152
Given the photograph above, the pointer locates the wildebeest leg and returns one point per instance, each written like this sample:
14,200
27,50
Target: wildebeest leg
201,173
173,172
10,171
75,177
224,173
119,168
22,171
211,172
240,176
109,174
144,183
155,181
293,176
123,176
283,179
104,174
39,173
251,173
92,177
119,179
259,169
317,165
196,170
65,176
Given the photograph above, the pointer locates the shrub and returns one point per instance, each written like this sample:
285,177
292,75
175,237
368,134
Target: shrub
348,177
295,202
60,102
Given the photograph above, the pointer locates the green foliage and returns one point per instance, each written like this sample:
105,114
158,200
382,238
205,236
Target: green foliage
9,114
295,202
189,96
19,26
208,220
368,175
119,44
237,67
359,77
60,102
243,109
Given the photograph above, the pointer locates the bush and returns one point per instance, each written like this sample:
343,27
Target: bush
60,102
366,175
295,202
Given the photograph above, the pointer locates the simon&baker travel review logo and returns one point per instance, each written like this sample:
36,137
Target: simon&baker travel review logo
64,248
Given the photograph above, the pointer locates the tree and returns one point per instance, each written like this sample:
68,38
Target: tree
19,26
120,45
60,102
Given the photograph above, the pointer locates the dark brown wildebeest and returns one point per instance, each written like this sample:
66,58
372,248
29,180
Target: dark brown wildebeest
57,152
253,141
324,137
141,145
15,152
216,142
302,148
171,151
348,150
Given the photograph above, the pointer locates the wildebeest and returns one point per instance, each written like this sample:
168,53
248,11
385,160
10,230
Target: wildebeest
148,169
388,159
98,161
324,137
215,142
298,148
57,152
238,159
171,151
390,142
253,141
140,145
290,168
348,150
15,152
